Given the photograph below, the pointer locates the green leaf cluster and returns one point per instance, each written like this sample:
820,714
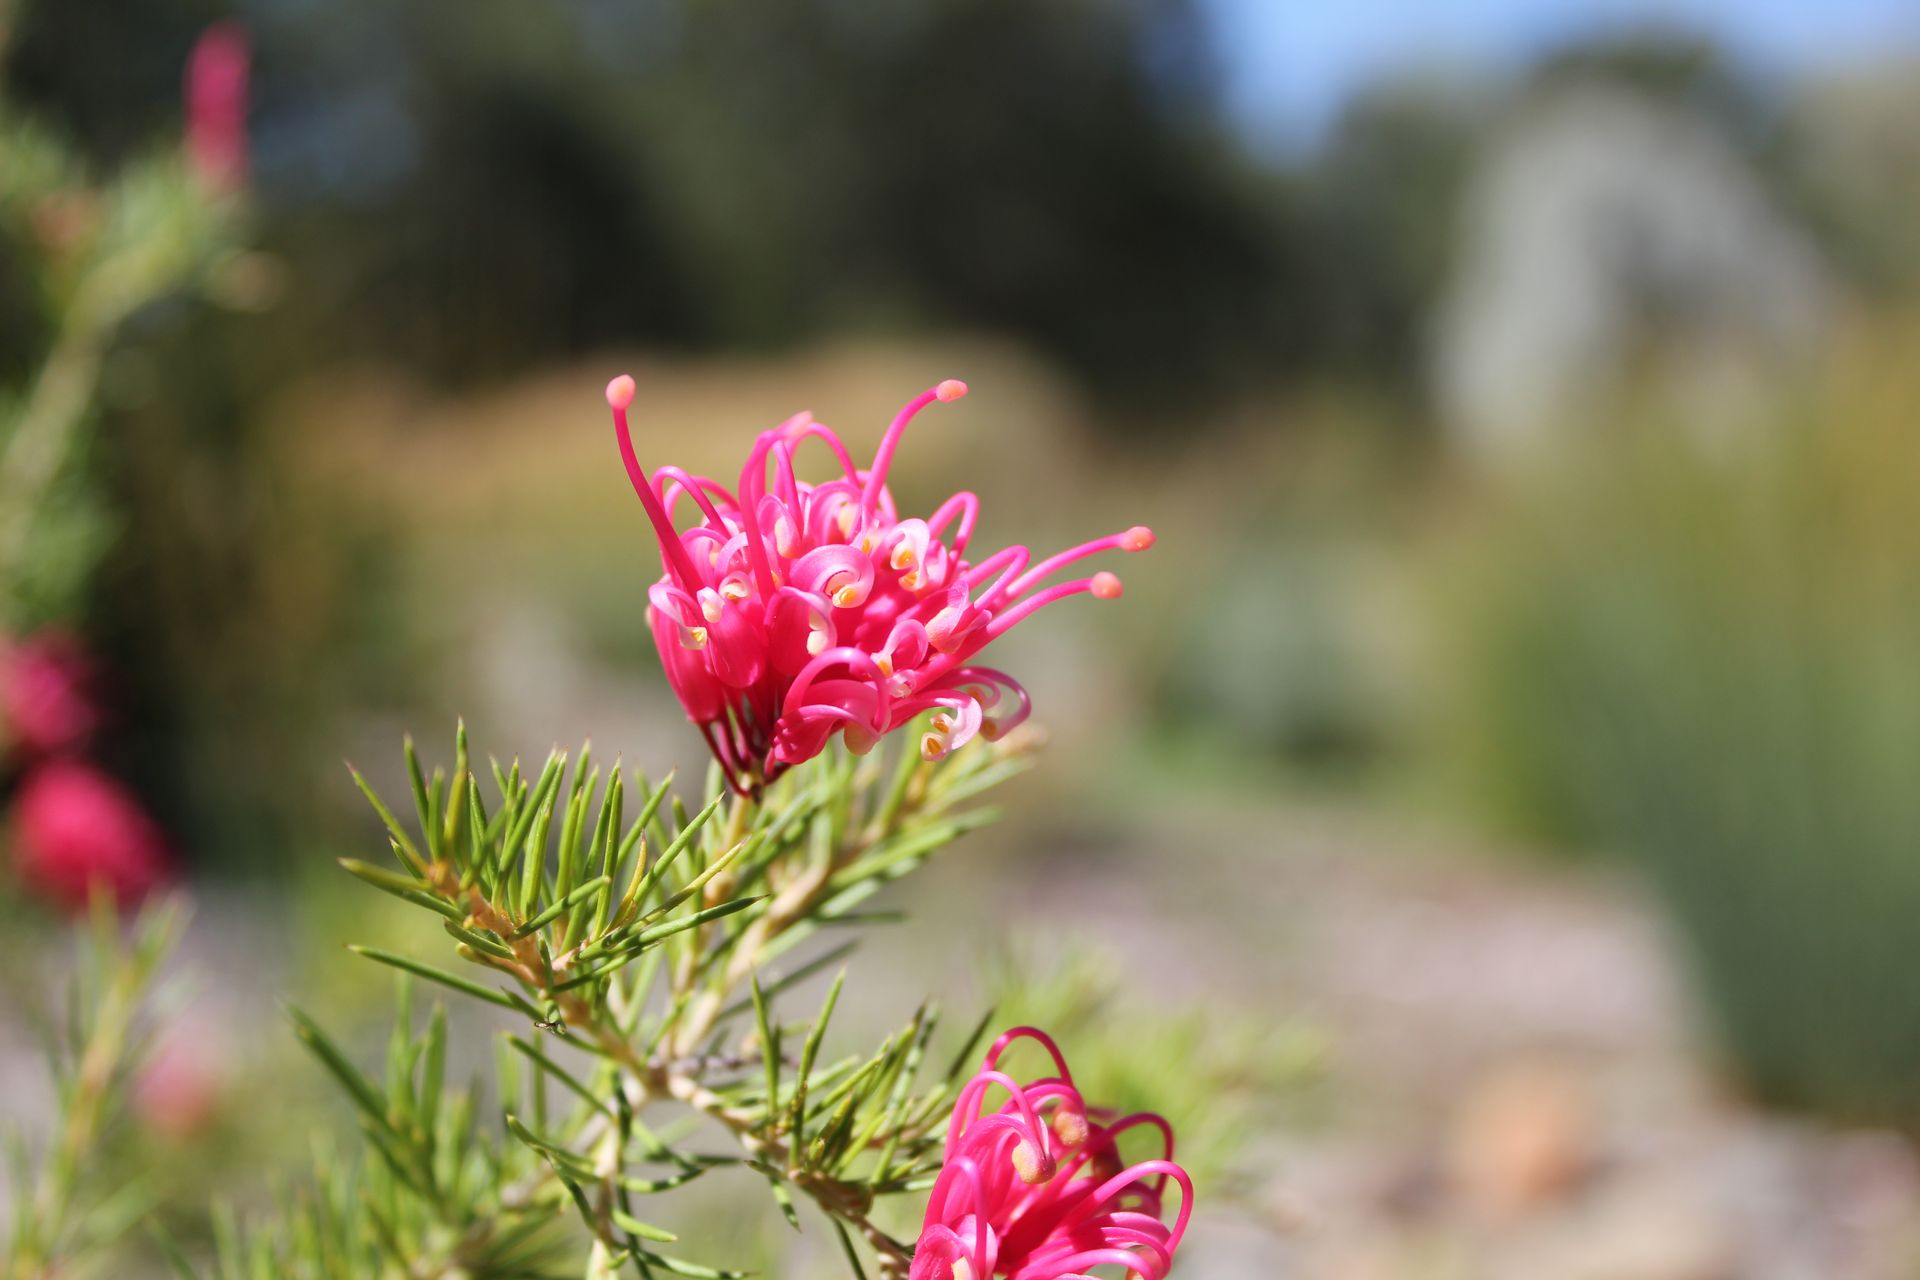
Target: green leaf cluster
641,952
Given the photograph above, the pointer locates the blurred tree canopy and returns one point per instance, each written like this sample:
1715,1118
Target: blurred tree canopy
474,185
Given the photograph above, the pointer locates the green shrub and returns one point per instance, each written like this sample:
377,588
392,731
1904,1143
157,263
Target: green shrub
1705,653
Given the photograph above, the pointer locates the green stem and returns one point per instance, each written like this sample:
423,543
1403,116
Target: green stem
40,443
82,1115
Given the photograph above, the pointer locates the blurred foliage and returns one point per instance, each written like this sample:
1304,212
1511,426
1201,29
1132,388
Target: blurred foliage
1379,200
140,505
251,600
1300,660
1667,65
1294,617
85,255
1699,649
72,1194
480,185
1851,159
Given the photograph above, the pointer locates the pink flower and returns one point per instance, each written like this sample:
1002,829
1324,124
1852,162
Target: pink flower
216,102
45,703
791,611
1036,1190
178,1091
74,827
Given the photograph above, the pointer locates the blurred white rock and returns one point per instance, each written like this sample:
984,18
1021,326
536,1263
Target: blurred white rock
1604,236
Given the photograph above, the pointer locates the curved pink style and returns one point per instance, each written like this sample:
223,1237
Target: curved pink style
790,610
1036,1189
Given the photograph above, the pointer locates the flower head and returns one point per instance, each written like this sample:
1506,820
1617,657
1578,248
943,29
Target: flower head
216,102
1036,1190
46,703
790,611
75,828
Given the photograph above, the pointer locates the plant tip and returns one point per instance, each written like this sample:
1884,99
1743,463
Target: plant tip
1106,586
950,390
620,391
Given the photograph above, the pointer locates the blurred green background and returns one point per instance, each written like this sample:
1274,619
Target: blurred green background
1491,821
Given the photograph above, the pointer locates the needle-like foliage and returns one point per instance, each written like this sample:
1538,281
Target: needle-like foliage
69,1204
646,949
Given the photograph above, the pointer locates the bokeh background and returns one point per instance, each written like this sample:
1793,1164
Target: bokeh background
1490,825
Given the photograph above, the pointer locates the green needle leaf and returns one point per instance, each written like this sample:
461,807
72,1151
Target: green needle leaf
403,843
400,886
846,1243
559,1073
645,1230
554,912
432,974
796,1117
358,1087
769,1052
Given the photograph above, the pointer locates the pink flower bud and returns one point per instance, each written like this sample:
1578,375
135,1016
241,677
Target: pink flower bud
75,828
46,702
216,102
178,1091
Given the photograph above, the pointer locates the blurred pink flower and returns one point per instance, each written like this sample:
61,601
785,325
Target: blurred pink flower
792,611
74,827
46,704
216,102
178,1091
1037,1191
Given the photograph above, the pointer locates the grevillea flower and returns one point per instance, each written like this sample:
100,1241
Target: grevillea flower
45,701
1037,1191
790,611
216,104
75,828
